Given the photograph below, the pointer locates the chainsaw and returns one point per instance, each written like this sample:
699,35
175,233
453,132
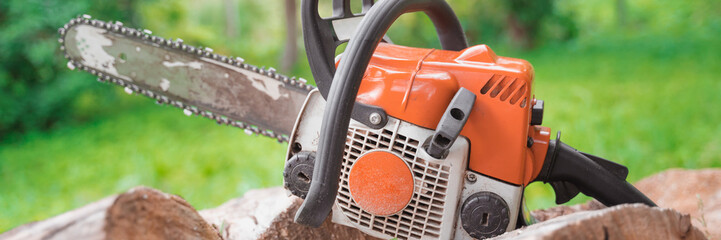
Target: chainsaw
396,141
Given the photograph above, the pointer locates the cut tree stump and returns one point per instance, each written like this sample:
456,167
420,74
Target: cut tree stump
268,214
628,221
145,213
693,192
141,213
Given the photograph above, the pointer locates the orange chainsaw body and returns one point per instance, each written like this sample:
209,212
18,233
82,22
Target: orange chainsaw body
416,85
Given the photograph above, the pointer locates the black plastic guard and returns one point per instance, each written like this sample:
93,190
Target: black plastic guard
565,191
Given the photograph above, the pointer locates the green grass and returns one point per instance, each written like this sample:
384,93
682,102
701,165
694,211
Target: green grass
648,107
49,173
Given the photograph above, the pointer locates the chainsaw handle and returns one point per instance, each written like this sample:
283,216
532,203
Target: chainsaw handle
344,88
321,38
570,171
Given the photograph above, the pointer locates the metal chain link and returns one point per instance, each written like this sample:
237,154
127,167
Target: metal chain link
189,110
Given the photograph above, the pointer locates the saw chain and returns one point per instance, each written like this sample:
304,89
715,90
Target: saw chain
189,110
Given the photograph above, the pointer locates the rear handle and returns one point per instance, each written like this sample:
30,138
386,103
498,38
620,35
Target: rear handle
570,171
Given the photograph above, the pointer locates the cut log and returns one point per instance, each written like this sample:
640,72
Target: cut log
693,192
268,214
144,213
636,221
543,215
82,223
141,213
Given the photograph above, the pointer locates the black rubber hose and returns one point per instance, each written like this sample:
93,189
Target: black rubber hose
344,88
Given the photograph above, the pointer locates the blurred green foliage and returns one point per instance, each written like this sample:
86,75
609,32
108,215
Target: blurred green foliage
37,92
36,89
633,81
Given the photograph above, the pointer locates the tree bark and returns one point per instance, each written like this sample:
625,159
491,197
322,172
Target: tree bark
144,213
693,192
621,13
636,221
525,18
141,213
268,214
290,51
231,19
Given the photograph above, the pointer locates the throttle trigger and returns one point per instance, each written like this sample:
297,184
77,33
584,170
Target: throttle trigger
565,191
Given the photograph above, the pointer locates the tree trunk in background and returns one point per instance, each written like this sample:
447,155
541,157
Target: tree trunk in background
130,12
231,18
518,32
525,18
621,13
290,51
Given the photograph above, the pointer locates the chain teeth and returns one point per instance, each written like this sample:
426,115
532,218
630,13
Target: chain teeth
146,35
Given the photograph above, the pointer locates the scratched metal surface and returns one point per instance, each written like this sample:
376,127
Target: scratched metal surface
210,85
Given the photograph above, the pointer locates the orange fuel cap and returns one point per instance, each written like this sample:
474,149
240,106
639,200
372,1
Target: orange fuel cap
381,183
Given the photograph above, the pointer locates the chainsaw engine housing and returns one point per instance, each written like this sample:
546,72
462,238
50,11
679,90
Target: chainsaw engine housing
416,85
475,191
438,185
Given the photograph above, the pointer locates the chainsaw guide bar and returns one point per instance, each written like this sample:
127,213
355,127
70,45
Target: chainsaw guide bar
187,77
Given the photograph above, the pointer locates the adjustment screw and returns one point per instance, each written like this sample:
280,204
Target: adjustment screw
471,177
375,118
